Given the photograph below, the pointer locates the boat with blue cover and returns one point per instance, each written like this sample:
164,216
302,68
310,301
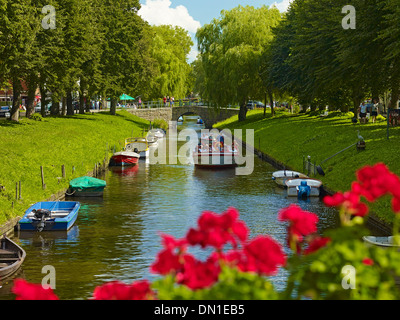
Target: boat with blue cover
50,216
303,188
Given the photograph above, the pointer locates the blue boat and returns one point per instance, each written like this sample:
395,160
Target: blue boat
50,216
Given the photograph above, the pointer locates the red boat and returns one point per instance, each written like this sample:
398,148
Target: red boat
124,158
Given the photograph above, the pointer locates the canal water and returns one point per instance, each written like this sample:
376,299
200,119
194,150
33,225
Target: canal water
117,237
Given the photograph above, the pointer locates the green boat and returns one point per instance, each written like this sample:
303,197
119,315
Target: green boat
86,187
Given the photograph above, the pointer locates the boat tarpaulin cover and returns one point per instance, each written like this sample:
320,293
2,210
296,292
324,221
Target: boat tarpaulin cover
87,182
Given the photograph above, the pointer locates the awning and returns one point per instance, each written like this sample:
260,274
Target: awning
126,97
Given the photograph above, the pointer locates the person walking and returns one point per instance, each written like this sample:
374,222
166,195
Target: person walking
374,110
165,101
363,112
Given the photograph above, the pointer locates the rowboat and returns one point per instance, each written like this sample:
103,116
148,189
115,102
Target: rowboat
86,187
384,241
49,216
303,187
11,257
137,145
281,176
124,158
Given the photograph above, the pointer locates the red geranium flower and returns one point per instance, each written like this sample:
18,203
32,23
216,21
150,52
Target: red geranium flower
350,201
368,261
316,244
217,230
31,291
116,290
301,222
264,255
196,274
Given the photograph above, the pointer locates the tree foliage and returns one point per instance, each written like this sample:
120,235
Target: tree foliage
231,48
96,49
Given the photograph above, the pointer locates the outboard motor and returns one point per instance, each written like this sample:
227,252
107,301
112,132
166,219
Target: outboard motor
40,215
304,190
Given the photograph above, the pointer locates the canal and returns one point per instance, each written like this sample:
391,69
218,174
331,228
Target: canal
116,237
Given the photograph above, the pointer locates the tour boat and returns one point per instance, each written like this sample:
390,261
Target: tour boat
49,216
281,176
86,187
124,158
214,154
11,257
303,187
137,145
384,241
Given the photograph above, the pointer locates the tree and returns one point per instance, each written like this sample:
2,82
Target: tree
121,63
170,48
18,29
231,48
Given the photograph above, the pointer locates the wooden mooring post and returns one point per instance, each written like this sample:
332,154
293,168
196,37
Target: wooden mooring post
42,175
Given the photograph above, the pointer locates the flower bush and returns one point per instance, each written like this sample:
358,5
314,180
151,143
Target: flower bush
239,268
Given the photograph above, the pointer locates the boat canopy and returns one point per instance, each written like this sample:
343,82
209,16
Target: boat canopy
87,182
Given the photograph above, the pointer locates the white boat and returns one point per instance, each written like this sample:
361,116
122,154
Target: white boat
298,187
153,136
156,133
137,145
281,176
384,241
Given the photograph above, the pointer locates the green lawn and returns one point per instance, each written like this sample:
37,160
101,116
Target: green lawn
288,138
78,141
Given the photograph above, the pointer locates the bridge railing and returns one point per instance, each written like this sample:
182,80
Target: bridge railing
153,104
160,104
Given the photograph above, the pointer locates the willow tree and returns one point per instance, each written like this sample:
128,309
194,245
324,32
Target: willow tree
170,48
231,48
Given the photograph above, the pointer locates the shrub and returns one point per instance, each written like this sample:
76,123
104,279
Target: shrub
36,117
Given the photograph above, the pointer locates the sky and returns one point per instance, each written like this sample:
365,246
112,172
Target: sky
193,14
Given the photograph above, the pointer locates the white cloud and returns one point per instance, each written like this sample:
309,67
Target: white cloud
283,5
159,12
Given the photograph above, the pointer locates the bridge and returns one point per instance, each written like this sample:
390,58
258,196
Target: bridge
209,115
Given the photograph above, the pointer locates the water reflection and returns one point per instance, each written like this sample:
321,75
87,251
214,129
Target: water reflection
117,237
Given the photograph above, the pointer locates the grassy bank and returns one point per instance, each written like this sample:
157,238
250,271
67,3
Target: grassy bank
288,138
77,142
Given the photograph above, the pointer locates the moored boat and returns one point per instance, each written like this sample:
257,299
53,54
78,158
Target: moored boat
382,241
49,216
137,145
281,176
124,158
86,187
11,257
303,187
